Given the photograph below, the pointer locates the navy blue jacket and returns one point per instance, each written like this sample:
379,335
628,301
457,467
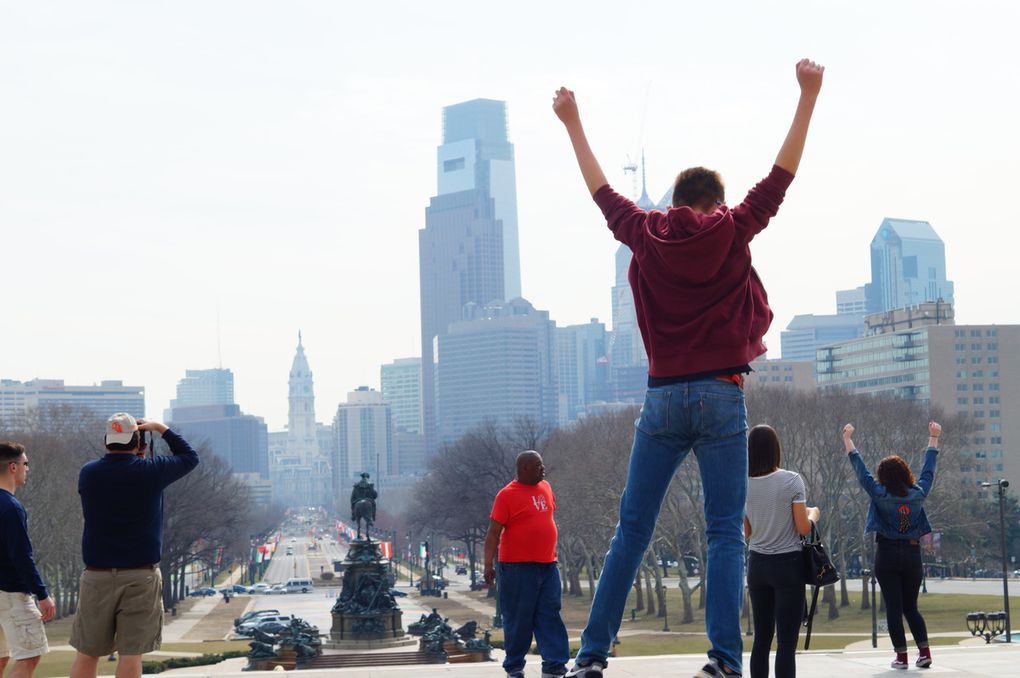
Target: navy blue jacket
18,573
122,500
897,517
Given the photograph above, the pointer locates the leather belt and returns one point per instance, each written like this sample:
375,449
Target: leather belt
912,542
90,568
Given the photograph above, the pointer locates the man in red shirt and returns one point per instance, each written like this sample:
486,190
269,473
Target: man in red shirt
521,524
703,312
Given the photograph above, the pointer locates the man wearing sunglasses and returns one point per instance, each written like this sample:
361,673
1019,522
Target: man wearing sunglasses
21,619
121,593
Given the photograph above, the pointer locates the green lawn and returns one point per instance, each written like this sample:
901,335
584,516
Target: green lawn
942,613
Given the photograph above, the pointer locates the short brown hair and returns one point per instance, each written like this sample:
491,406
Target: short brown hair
895,475
698,187
10,451
763,451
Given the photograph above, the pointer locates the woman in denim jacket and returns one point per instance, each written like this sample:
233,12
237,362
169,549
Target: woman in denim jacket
897,518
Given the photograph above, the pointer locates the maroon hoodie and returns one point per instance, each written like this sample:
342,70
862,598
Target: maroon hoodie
700,304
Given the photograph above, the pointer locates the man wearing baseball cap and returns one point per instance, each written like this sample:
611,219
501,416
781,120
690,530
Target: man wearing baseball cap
121,593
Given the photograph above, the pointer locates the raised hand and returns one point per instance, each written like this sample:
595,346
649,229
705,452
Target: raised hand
848,432
565,106
809,76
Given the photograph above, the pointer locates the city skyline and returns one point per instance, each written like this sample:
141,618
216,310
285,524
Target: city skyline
267,177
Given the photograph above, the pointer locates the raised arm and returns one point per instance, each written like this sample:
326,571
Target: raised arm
565,108
927,477
864,476
809,77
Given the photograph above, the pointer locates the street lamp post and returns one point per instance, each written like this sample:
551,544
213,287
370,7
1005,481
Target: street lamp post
1002,485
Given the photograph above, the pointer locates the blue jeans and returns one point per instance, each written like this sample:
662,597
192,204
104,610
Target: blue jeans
707,416
529,598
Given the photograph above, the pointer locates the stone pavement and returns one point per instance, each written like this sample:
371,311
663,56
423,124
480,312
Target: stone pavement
997,659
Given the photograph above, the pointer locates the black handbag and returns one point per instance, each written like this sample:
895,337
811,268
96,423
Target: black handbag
818,572
818,567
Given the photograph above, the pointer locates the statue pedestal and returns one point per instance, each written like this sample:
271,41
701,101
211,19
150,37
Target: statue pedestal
365,615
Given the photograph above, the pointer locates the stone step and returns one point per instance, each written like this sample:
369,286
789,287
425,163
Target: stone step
339,661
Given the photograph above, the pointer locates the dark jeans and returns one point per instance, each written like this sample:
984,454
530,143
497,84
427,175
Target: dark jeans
776,586
529,598
898,570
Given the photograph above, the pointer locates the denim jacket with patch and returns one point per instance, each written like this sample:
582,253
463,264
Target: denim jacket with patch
897,517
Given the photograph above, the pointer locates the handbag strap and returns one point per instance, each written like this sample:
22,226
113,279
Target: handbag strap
811,538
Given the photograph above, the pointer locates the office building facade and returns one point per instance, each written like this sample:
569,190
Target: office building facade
18,399
497,365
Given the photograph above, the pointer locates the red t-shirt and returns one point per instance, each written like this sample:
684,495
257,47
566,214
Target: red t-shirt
526,514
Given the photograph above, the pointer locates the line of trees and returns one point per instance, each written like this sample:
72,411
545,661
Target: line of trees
207,515
586,464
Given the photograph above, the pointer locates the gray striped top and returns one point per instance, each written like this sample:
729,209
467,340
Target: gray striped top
769,510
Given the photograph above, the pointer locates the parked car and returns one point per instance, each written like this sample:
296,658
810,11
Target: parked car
461,569
277,589
236,588
247,627
255,614
273,627
204,591
261,587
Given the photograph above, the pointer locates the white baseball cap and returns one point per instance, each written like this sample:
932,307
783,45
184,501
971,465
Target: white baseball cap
120,428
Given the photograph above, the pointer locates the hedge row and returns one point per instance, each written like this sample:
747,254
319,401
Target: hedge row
182,662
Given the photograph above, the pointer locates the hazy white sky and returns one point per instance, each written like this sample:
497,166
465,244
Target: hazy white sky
271,161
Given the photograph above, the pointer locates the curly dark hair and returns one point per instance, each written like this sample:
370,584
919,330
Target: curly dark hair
763,451
895,475
698,188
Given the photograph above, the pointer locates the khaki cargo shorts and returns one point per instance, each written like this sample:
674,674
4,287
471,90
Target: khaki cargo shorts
119,610
22,625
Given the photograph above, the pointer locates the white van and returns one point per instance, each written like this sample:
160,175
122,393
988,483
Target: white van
298,585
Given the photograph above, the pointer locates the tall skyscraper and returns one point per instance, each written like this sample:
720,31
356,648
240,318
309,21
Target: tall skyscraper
498,364
468,250
400,384
852,301
582,367
17,398
203,387
241,440
477,155
807,332
908,266
364,439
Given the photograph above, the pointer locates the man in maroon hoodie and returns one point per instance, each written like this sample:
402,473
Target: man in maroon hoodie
703,312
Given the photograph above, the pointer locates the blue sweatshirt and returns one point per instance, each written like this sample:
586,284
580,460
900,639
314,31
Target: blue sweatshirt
18,573
122,501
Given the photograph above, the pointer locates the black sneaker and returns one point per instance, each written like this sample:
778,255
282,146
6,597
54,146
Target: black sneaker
591,669
923,662
714,670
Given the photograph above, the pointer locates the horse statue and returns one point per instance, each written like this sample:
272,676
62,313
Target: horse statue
363,498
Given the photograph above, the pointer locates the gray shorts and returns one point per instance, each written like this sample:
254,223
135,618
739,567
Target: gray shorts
22,626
